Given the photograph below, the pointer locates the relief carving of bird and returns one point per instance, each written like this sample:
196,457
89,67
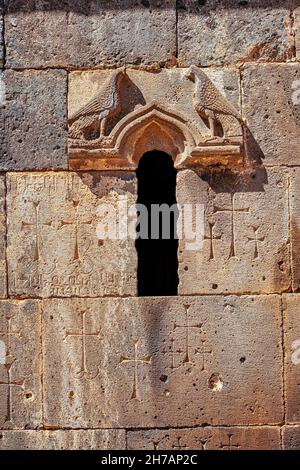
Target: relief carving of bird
211,105
92,118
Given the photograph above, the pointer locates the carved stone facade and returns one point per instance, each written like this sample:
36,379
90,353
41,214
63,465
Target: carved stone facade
132,112
86,89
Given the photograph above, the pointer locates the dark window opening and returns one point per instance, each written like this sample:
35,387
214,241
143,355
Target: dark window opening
157,258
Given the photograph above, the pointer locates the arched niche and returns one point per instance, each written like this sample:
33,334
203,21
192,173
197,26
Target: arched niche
152,128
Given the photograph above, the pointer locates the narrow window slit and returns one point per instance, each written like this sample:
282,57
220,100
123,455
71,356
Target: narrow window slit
157,257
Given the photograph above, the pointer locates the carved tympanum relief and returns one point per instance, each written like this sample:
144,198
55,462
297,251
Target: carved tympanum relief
179,111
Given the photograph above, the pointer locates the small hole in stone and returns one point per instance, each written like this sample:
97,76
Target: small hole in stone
264,278
215,286
51,317
163,378
71,394
215,382
281,265
242,359
28,395
100,242
186,268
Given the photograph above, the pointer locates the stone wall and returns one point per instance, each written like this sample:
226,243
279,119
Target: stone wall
84,362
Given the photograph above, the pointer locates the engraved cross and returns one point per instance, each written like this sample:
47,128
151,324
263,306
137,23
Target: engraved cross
179,446
135,361
172,353
187,328
83,335
232,211
256,239
229,445
211,239
76,222
36,225
203,442
202,351
9,334
10,384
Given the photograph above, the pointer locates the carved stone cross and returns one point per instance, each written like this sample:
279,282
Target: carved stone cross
135,360
187,327
83,336
232,210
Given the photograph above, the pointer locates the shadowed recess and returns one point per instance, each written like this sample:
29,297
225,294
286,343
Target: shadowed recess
157,258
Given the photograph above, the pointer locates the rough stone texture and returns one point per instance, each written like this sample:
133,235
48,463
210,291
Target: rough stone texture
297,30
53,248
292,357
198,360
208,438
272,116
35,129
1,34
20,365
196,371
87,34
244,251
3,268
104,439
224,32
291,437
295,226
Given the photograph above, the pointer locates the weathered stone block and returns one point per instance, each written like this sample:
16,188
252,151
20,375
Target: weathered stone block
63,440
295,226
292,357
297,30
3,267
246,244
87,34
271,107
53,247
20,365
162,362
1,34
291,437
35,114
208,438
248,31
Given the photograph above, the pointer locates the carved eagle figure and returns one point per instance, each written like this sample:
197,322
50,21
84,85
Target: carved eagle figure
211,105
93,116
